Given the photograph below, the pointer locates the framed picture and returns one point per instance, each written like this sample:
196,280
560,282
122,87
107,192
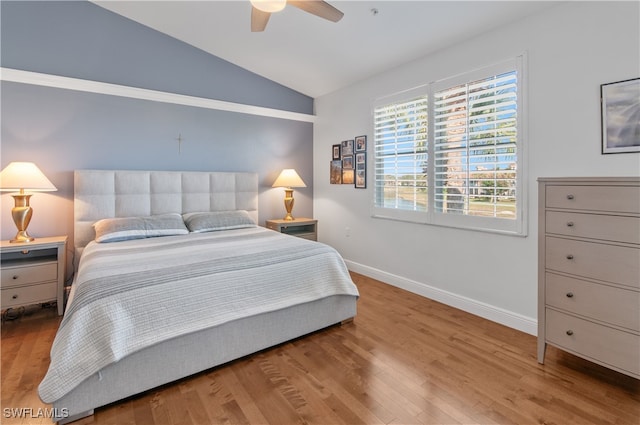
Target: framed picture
347,147
335,174
620,103
361,171
336,152
361,179
347,161
361,143
347,176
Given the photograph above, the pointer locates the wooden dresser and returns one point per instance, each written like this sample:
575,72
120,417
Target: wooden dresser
589,270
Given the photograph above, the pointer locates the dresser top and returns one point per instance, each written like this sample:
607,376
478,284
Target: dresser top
625,180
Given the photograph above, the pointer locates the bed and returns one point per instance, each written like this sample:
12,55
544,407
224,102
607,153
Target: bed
174,278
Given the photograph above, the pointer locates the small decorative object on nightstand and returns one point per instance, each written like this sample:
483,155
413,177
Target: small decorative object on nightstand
33,272
289,179
21,177
306,228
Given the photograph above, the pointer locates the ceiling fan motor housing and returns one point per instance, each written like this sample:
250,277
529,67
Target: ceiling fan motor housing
269,6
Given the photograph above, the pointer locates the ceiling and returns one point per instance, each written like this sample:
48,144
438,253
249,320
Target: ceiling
314,56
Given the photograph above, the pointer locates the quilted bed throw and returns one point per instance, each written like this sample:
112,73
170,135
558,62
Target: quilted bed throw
133,294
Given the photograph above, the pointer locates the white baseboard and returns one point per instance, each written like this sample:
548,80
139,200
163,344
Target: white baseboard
486,311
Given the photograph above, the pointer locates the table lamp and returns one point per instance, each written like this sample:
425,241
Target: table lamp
288,179
21,176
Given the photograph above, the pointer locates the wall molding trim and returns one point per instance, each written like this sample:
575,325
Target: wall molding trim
88,86
486,311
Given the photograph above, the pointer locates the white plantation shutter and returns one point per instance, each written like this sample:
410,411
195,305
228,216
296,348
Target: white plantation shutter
475,144
400,150
452,154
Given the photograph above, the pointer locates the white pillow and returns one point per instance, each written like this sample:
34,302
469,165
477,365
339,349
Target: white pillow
126,228
201,222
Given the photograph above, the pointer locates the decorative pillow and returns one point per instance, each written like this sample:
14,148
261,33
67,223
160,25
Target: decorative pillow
201,222
125,228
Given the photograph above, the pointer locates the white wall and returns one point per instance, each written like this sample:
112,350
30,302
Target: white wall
571,50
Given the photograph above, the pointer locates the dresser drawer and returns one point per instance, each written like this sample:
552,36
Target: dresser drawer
594,226
29,274
596,342
31,294
586,299
611,263
597,198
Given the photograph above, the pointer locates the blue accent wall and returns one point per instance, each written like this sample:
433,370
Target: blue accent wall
82,40
62,130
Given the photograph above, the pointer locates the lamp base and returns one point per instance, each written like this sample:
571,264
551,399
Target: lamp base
21,214
22,236
288,203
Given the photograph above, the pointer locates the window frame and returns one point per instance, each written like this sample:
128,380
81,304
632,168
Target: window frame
516,226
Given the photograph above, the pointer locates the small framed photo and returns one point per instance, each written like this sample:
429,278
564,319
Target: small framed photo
336,152
347,147
335,174
347,161
361,143
620,116
347,176
361,179
361,171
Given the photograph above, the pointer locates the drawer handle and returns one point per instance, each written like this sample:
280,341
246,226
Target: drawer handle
569,332
569,294
14,277
570,224
570,196
15,297
570,257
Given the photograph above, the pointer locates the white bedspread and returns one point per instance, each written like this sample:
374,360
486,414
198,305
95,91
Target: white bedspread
130,295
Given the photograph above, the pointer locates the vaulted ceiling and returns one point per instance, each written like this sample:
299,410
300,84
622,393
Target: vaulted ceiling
315,56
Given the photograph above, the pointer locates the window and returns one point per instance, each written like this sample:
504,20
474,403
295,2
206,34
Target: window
400,136
450,153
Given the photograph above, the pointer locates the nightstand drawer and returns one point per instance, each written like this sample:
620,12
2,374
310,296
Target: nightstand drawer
585,298
31,294
594,198
606,345
27,275
306,228
610,263
594,226
310,236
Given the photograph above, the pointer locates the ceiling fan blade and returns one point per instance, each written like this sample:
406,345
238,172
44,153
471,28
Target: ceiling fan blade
259,19
319,8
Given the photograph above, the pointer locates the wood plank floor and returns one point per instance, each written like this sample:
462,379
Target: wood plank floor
404,360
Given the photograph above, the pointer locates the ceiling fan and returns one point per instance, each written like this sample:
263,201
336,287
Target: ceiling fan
261,10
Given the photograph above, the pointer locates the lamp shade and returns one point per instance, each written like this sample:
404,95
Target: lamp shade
289,178
19,176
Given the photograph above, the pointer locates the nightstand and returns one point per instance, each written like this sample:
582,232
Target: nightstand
33,272
306,228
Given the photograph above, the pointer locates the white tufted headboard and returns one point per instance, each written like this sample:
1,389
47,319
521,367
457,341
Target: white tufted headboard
118,193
